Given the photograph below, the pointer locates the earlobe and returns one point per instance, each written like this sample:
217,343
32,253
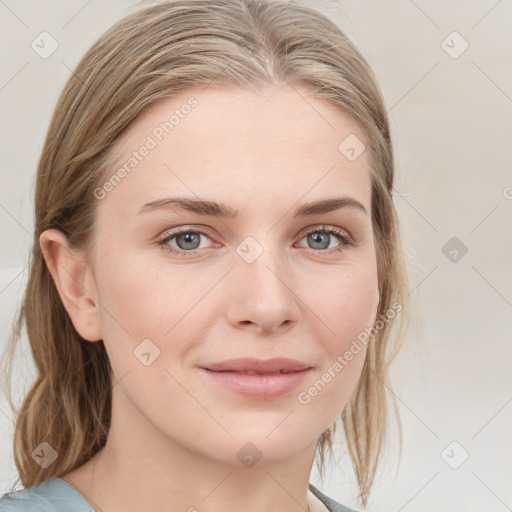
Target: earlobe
74,282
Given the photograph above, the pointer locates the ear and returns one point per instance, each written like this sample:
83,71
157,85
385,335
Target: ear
74,281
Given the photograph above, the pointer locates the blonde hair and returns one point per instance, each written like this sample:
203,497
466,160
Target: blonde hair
152,53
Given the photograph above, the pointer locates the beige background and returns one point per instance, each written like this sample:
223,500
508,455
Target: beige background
451,118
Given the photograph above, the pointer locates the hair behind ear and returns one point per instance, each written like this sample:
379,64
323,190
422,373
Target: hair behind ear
68,405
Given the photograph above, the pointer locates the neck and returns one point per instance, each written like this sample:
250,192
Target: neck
142,470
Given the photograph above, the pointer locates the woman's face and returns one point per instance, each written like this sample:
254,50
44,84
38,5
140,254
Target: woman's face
262,283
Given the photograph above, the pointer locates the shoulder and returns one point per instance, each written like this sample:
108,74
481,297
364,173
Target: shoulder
54,495
331,504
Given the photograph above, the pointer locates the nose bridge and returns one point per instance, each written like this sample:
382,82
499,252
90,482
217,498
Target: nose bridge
261,261
263,283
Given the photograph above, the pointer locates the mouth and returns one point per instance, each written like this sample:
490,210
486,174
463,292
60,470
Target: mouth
259,380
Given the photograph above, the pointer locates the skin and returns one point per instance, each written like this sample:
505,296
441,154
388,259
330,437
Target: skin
175,433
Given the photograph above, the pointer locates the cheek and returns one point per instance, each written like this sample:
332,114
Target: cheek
126,293
141,302
143,298
345,307
345,304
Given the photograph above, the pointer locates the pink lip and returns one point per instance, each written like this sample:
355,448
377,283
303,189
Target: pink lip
269,384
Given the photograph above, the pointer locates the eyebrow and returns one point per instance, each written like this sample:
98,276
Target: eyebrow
215,209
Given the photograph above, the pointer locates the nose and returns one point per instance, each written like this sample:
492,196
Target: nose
264,294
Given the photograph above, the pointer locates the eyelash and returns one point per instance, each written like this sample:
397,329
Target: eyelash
338,233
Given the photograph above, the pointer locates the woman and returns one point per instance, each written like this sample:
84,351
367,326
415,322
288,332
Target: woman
217,269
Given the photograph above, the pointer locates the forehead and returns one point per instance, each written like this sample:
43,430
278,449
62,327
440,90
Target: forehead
279,144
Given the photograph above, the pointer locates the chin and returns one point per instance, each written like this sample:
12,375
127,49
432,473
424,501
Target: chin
266,449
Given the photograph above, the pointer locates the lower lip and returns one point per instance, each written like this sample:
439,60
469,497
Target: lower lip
261,387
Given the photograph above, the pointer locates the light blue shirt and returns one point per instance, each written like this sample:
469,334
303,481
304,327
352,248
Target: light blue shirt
57,495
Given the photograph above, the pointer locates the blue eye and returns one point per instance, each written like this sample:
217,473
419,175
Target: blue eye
319,236
186,237
190,239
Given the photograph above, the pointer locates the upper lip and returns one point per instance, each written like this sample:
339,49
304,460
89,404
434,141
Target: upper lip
254,365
